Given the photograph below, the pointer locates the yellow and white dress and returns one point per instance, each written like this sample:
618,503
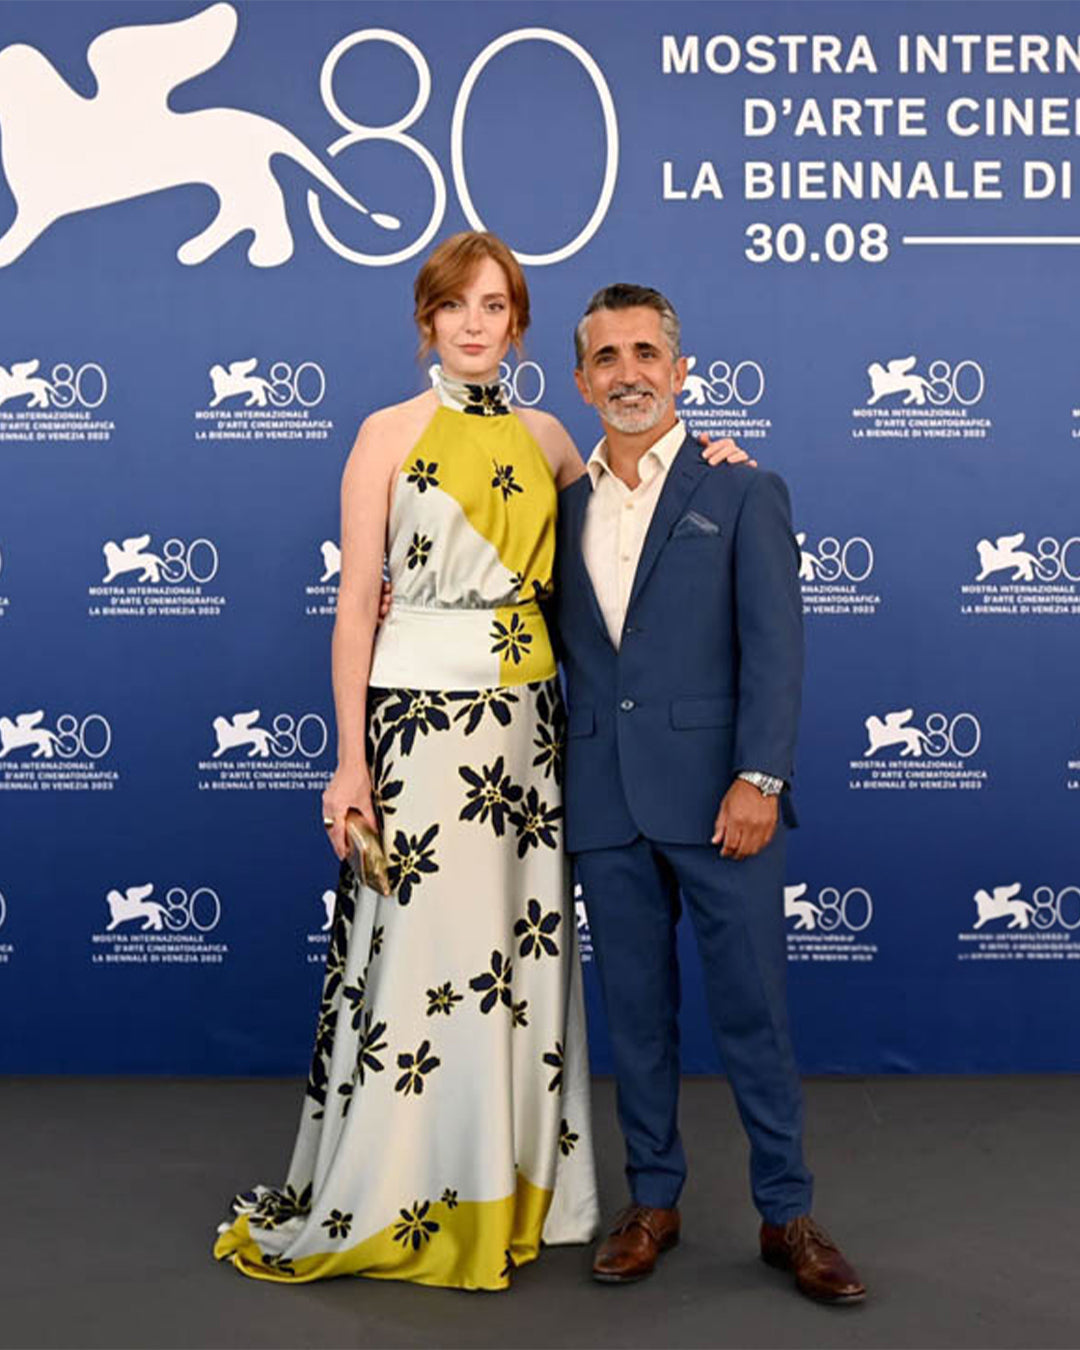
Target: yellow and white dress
445,1128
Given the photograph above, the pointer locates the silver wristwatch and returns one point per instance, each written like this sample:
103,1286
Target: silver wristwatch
765,783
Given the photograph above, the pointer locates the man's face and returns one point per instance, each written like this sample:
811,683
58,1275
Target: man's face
628,373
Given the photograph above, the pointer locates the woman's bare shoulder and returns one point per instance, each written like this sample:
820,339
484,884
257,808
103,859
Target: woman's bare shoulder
388,434
555,441
398,419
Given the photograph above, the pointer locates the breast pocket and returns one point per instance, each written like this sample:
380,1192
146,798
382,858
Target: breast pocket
695,528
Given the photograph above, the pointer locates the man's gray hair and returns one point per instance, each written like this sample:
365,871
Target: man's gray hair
625,295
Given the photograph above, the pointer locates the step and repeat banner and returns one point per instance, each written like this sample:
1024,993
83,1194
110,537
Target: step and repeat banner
210,220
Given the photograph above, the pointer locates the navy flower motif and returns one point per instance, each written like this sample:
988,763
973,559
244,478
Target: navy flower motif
449,1198
414,1228
354,996
550,739
408,860
416,710
338,1223
376,941
518,1014
535,822
512,638
419,550
504,480
423,475
318,1077
567,1139
275,1207
476,703
535,931
384,790
489,793
486,400
494,984
346,1091
415,1066
554,1060
324,1030
442,999
549,755
282,1264
369,1046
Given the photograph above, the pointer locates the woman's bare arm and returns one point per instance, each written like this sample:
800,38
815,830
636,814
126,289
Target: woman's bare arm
365,497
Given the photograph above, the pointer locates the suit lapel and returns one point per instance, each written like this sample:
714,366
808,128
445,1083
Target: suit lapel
683,477
577,528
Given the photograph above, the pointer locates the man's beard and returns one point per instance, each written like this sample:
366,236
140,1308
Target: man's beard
643,417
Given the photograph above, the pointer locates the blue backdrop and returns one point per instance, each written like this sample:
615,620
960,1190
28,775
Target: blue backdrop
196,313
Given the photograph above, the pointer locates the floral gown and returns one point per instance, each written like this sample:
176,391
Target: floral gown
445,1127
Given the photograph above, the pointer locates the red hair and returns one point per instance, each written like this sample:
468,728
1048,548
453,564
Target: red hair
448,270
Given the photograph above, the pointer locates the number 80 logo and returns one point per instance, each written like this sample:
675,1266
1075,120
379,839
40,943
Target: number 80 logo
396,133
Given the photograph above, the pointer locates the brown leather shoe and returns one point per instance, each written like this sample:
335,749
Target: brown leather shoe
636,1240
820,1268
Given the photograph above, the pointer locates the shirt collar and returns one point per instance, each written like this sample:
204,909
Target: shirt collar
658,457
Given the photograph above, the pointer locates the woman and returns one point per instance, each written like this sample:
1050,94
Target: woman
445,1130
445,1127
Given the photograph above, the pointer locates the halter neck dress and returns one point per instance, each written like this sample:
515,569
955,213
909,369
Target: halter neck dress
445,1129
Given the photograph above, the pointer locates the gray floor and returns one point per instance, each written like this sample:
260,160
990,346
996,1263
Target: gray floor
955,1197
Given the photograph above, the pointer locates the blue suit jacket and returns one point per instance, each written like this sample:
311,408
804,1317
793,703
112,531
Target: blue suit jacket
707,679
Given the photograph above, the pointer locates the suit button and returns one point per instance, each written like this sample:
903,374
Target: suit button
627,705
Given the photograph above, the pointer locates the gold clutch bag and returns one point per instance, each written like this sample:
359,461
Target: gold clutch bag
367,857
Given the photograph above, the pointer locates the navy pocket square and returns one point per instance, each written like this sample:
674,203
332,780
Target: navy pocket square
694,525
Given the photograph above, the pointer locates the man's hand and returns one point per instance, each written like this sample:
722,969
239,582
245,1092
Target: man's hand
746,821
724,451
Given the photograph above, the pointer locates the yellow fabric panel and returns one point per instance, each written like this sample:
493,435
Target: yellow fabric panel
469,1249
497,473
520,636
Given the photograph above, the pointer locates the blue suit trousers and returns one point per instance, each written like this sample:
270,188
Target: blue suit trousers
632,897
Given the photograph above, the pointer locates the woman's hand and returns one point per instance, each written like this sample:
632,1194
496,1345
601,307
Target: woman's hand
349,788
724,452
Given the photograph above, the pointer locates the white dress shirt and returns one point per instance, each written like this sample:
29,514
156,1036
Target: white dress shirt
617,520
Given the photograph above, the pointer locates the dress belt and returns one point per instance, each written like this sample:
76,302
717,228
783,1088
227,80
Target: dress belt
437,647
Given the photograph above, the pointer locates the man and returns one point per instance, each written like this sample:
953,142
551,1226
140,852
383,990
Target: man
680,622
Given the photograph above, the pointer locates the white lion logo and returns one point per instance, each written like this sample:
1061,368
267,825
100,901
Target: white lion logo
808,562
26,730
128,556
804,911
329,899
63,153
237,380
1003,904
21,382
331,559
240,730
896,378
893,730
1004,553
697,390
134,904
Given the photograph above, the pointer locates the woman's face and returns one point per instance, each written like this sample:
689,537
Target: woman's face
472,330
